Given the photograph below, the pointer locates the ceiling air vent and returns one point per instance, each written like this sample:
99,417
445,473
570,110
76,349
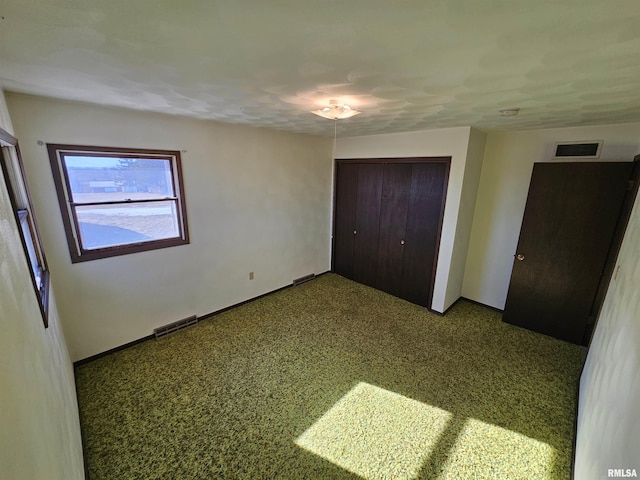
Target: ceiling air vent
589,149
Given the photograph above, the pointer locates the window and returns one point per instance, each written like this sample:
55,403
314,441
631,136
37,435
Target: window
117,201
14,178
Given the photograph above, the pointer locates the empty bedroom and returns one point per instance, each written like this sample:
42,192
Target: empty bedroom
319,239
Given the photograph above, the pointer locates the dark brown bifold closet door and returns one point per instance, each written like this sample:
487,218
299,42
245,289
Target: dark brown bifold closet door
365,251
357,219
345,218
396,188
422,237
388,217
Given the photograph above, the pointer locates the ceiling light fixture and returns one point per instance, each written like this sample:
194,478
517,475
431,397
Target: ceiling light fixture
335,111
509,112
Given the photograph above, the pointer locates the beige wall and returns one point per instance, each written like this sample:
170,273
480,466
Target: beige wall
609,413
5,119
257,200
39,426
453,142
504,183
468,198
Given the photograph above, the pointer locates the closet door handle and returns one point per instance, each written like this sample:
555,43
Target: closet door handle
355,232
401,242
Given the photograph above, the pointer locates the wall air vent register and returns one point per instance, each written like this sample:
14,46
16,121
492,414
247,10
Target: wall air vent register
584,150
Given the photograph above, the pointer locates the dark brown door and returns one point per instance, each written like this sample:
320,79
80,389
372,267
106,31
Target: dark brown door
422,235
396,189
368,198
568,225
345,218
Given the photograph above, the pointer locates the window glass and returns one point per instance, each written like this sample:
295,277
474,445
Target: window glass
96,179
123,223
30,243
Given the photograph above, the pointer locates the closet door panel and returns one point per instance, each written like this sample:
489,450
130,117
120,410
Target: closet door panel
422,235
369,196
345,218
396,187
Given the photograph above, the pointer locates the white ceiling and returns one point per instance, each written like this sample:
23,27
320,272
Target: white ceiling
409,65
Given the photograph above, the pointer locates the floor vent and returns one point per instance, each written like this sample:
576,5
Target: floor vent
305,279
175,326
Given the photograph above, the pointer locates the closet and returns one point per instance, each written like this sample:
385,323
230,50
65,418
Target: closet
387,223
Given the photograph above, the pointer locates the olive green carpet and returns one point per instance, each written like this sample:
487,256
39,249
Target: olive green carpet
334,380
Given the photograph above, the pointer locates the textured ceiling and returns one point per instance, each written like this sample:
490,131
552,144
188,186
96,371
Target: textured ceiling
408,65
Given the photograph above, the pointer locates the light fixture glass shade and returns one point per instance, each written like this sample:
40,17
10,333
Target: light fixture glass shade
336,112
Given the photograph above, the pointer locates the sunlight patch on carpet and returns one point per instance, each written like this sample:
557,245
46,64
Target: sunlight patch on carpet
487,451
376,434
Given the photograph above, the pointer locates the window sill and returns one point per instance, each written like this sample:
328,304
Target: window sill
120,250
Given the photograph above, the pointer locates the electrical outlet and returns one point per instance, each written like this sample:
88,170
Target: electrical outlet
250,275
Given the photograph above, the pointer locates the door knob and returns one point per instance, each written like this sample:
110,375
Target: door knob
355,231
520,257
401,242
